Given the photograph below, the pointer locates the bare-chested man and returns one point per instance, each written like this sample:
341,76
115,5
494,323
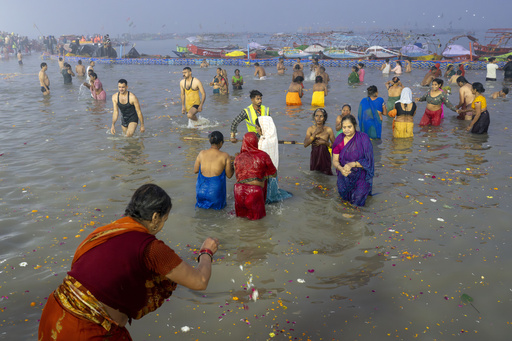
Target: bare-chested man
20,60
80,69
453,79
500,94
204,64
429,77
61,63
44,81
320,137
466,97
259,71
212,167
190,87
128,104
297,72
299,64
324,75
281,68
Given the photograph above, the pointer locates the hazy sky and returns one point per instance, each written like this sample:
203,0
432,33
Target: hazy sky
204,16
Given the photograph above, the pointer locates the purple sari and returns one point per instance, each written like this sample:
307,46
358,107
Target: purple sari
355,187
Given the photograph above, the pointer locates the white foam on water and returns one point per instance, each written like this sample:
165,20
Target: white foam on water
201,123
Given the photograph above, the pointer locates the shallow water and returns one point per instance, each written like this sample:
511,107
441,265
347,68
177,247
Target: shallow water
438,225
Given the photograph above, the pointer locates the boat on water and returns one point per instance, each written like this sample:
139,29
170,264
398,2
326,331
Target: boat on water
379,52
216,52
416,52
457,53
290,52
334,53
499,42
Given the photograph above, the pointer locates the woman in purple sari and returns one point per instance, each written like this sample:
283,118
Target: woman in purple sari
353,159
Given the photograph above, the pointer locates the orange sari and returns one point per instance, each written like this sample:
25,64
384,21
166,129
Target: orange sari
73,313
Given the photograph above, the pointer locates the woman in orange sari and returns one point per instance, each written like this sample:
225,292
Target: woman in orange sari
121,272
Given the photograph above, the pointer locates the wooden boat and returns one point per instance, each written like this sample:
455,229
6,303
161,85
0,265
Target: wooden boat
203,52
498,39
211,52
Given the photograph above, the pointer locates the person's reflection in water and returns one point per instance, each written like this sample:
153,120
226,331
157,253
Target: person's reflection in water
400,148
97,109
131,152
478,150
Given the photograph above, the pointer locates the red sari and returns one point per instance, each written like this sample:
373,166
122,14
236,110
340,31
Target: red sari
250,165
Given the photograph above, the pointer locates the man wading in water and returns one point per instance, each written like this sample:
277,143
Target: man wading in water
190,87
128,103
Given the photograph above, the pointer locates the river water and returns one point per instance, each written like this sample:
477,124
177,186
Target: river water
436,229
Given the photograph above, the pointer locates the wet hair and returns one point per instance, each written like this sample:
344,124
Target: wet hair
458,73
255,93
372,90
433,68
297,67
256,64
236,70
361,65
60,58
80,61
323,112
216,137
93,74
147,200
67,65
478,87
438,81
399,62
298,79
351,118
322,68
492,59
462,80
187,68
298,58
347,105
319,79
122,81
43,65
450,66
219,68
387,60
505,90
395,79
355,68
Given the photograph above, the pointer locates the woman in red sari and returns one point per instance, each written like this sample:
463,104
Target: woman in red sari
252,168
121,272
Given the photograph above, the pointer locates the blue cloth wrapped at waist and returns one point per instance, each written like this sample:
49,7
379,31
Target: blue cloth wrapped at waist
211,191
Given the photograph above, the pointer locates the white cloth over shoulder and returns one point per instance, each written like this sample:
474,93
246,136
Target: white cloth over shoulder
268,141
405,96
